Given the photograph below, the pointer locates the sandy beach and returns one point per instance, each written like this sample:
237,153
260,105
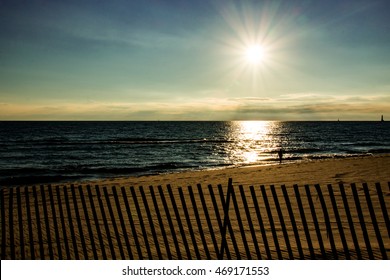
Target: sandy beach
369,169
118,219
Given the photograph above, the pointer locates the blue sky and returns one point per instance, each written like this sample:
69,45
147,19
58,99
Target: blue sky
185,60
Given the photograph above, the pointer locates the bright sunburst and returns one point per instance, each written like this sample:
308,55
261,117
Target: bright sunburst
254,54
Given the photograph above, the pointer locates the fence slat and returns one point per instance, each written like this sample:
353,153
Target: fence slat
179,222
383,206
132,225
46,218
141,222
374,222
282,223
338,220
78,220
55,224
304,221
198,222
225,204
113,222
206,213
187,216
220,226
315,221
11,222
327,221
261,223
170,223
249,219
95,217
122,222
350,221
39,227
362,222
3,226
62,218
52,233
228,224
20,217
271,222
293,222
160,221
70,219
88,222
240,224
105,221
151,222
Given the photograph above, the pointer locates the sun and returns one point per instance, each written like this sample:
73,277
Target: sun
254,54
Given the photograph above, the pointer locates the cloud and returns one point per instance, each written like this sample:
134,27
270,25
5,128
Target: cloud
291,107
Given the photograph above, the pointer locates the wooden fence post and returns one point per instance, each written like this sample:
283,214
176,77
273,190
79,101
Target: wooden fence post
220,226
226,218
227,225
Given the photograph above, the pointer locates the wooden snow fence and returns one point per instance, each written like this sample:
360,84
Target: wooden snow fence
213,222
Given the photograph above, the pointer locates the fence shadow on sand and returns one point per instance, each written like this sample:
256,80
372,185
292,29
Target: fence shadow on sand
213,222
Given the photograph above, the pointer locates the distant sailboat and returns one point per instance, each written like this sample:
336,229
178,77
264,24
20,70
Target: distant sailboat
382,120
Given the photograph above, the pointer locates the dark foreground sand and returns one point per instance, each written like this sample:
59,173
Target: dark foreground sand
111,222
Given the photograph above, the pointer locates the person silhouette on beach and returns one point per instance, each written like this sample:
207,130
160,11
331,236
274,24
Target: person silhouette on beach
280,154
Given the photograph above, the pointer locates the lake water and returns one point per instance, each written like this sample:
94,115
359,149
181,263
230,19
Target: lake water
43,152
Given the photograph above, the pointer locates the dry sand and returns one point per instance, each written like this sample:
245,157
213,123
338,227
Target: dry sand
59,230
369,169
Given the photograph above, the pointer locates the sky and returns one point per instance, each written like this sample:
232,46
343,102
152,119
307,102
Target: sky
187,60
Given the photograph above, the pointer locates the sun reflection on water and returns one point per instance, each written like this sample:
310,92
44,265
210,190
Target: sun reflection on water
251,142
